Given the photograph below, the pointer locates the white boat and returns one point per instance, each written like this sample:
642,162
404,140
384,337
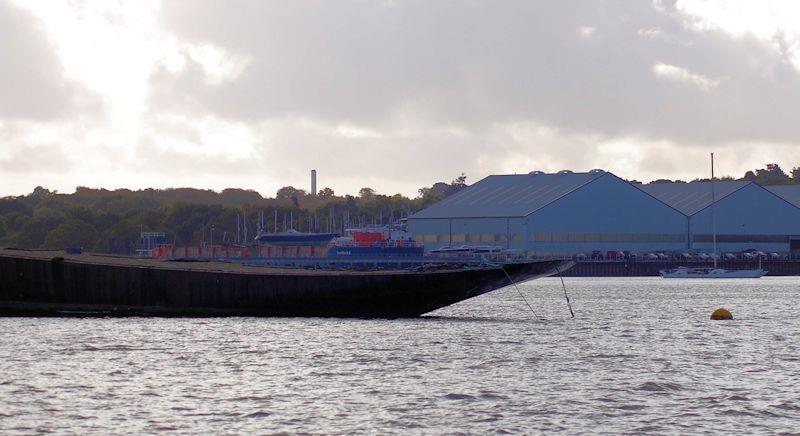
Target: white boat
683,272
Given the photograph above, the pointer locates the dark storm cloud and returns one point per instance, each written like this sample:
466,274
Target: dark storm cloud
581,68
32,85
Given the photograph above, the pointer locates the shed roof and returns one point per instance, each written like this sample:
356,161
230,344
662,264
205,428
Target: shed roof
790,193
690,198
514,195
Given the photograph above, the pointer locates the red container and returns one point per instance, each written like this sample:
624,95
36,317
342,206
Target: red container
368,237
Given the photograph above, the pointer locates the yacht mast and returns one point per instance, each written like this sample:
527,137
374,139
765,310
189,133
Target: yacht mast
713,218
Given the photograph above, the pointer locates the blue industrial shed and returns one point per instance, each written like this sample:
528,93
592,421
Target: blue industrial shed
553,214
745,215
568,213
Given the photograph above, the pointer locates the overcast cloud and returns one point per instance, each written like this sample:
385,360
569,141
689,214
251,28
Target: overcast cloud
394,95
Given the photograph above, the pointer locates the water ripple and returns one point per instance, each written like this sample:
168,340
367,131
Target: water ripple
640,357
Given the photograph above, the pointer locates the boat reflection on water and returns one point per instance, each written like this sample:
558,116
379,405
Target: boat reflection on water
683,272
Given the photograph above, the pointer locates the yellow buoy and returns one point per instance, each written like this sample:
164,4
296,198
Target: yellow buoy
721,313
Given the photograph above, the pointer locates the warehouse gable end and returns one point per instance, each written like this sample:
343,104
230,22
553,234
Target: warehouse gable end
751,218
610,203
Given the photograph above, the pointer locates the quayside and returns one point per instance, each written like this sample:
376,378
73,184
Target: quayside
53,283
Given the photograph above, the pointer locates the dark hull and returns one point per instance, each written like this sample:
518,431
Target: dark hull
296,238
56,284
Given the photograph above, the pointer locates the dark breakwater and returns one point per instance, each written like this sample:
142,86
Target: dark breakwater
55,283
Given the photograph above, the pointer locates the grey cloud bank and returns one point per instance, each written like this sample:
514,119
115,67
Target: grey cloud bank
32,85
474,64
398,94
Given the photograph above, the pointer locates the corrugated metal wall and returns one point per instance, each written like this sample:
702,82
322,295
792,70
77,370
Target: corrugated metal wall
606,214
750,218
609,214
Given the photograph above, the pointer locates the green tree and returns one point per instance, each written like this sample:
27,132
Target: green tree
459,183
71,233
33,232
366,193
119,237
658,181
15,221
110,220
240,197
772,175
440,190
81,213
41,193
11,204
287,192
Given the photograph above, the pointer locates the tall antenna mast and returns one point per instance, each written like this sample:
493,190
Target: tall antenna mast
713,217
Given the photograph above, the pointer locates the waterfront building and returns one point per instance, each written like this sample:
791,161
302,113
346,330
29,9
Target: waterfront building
745,215
599,213
553,214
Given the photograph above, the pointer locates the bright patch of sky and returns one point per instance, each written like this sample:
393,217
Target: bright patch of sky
396,96
775,22
678,74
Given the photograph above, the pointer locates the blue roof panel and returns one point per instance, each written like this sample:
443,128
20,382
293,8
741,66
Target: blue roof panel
514,195
790,193
691,198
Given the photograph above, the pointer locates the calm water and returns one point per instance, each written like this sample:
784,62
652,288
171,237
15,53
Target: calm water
641,356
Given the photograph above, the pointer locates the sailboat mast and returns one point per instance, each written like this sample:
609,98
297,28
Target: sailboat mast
713,217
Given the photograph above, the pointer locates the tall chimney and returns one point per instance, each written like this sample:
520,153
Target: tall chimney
313,182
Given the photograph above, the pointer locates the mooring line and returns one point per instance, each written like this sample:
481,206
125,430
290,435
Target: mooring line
519,292
565,291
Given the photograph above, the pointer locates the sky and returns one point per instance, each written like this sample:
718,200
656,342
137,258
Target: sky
390,94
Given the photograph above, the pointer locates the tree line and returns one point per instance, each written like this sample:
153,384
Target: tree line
771,174
110,221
